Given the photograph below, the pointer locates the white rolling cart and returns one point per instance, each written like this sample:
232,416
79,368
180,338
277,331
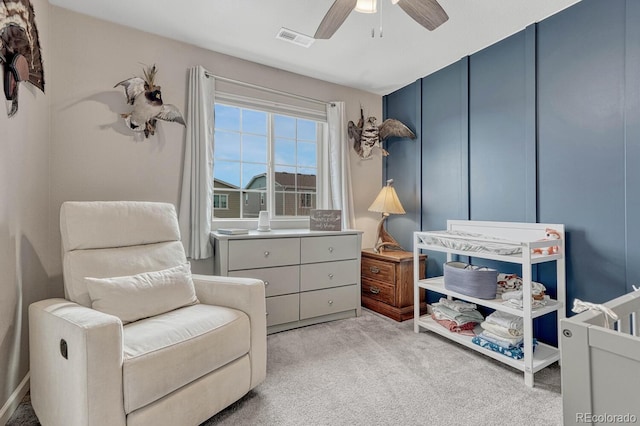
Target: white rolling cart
494,235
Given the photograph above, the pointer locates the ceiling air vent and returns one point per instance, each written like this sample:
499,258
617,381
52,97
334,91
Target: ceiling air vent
294,37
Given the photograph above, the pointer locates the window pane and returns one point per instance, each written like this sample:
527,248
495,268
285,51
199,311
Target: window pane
226,145
227,117
227,205
285,191
307,180
226,174
285,152
307,130
307,154
254,122
254,176
284,127
254,148
254,202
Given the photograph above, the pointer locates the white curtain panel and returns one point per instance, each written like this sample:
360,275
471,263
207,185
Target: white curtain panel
338,193
197,179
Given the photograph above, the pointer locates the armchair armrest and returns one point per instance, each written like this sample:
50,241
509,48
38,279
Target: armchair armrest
248,296
76,356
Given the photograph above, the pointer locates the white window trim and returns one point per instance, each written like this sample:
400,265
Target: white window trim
280,222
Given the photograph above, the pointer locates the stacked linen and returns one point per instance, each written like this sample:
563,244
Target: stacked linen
510,290
502,332
456,316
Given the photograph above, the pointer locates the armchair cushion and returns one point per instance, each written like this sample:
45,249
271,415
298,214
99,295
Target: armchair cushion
168,351
144,295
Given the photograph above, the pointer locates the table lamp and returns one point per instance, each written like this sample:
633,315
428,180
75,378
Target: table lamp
387,203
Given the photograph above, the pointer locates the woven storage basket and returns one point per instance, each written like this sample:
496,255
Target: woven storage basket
471,280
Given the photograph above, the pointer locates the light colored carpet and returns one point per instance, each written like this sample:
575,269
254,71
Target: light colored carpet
372,370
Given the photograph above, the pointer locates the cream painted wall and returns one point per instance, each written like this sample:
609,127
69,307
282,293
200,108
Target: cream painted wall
94,156
24,220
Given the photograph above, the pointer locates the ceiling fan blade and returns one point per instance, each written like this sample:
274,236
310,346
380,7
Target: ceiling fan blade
334,18
427,13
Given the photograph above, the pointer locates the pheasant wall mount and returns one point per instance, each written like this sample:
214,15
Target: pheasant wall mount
367,135
20,54
148,108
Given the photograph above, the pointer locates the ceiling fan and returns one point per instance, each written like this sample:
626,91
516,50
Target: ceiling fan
427,13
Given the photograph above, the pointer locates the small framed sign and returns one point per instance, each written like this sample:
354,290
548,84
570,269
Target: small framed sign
325,220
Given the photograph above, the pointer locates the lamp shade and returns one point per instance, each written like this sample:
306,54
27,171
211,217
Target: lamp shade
387,201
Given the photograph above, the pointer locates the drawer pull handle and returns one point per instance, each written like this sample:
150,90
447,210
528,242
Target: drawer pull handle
374,290
266,283
330,249
374,270
330,276
266,253
330,302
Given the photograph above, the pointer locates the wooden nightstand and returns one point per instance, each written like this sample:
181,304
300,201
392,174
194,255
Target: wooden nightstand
387,283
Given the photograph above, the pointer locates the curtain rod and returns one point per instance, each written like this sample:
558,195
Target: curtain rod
266,89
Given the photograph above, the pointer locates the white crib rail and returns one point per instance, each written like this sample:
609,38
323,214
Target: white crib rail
601,366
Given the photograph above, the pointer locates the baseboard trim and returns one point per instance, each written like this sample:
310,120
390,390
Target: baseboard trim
14,400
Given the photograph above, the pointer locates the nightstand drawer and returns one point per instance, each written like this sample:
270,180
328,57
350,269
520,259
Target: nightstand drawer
316,276
262,253
378,270
283,309
327,249
378,290
277,281
329,301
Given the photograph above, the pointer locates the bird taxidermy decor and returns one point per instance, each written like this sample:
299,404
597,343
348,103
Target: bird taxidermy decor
19,49
387,203
367,135
146,98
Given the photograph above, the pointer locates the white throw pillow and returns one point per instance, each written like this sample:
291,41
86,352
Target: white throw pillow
134,297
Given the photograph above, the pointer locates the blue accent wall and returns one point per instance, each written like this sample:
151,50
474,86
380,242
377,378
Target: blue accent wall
581,142
445,179
543,126
405,170
502,161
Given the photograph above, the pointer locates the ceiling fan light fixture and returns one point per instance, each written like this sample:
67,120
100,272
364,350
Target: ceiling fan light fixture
367,6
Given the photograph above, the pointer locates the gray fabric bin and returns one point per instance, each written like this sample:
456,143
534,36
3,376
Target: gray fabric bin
476,281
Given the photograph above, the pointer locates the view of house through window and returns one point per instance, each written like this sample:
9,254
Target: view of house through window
263,161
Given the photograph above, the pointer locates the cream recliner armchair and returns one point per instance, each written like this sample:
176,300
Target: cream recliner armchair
173,366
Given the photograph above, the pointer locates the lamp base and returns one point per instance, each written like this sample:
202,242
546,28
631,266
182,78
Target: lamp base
384,240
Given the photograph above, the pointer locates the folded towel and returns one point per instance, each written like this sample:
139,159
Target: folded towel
505,342
506,320
457,305
459,317
515,353
501,331
465,329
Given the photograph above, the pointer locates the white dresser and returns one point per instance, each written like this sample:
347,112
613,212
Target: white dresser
309,276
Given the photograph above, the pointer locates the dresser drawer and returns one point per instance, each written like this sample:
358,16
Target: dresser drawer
326,249
283,309
277,281
264,252
315,276
329,301
379,291
378,270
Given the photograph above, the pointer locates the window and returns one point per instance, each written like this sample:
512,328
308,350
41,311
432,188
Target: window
305,201
220,201
268,159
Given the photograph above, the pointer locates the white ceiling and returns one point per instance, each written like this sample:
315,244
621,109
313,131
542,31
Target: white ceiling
247,29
